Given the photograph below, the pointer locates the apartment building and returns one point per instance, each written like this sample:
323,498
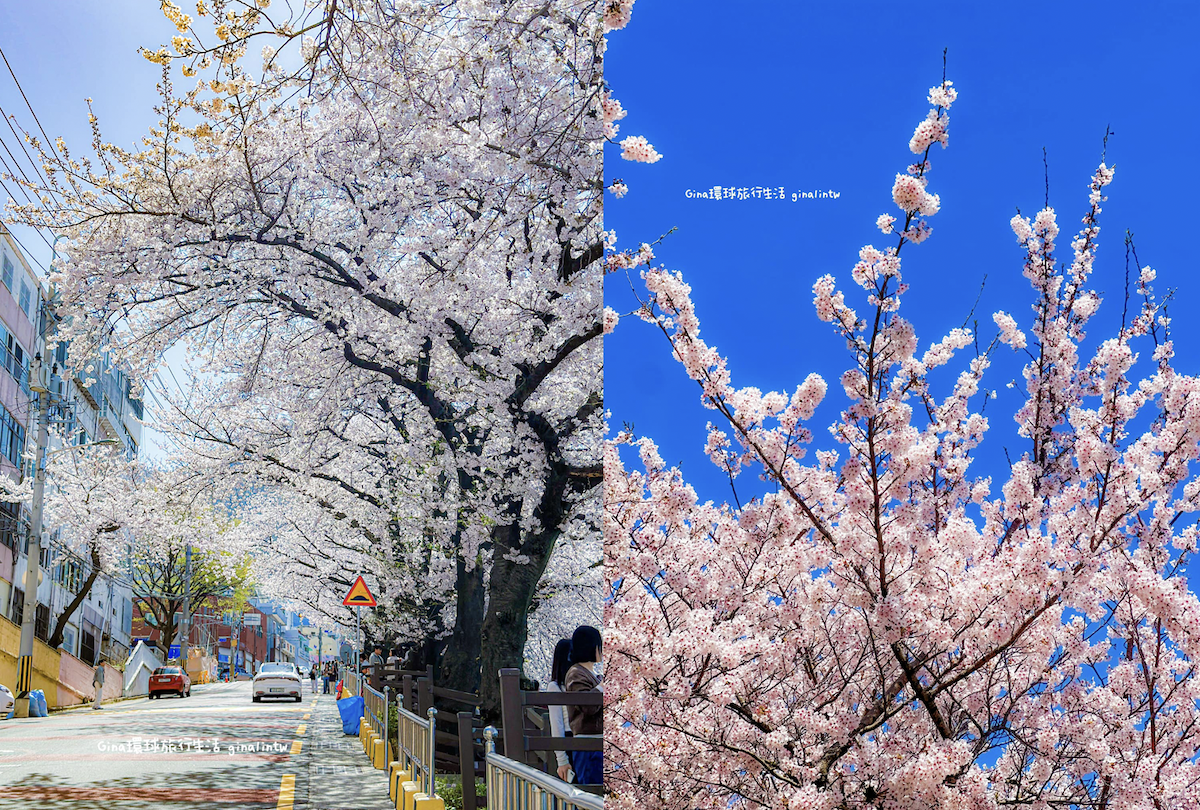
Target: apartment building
82,411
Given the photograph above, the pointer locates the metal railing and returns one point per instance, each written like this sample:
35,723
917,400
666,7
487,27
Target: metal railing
375,712
350,680
418,746
512,785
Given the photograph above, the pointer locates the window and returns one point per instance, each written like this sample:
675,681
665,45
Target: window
70,575
87,647
41,622
13,357
8,273
18,606
11,527
24,301
12,437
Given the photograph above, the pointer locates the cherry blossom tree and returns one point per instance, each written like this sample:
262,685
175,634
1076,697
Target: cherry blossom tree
384,252
92,499
133,520
880,626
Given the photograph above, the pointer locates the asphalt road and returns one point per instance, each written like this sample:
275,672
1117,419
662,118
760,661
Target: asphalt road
215,749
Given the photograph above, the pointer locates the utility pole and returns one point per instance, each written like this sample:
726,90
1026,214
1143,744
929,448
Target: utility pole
39,383
186,625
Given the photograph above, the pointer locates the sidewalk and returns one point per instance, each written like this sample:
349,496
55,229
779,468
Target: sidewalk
340,777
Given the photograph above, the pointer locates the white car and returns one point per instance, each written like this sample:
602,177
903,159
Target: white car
6,701
277,680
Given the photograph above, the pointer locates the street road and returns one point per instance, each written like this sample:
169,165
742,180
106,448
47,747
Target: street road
215,749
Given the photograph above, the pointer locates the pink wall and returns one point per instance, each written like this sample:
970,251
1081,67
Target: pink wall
75,681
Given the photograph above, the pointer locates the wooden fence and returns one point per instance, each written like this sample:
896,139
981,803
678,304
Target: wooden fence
461,741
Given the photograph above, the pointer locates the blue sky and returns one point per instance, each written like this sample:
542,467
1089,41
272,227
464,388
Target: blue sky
65,51
826,96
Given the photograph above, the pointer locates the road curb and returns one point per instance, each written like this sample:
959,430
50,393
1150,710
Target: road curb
78,707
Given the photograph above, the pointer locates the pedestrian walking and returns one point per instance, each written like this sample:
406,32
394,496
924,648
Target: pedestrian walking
586,721
98,684
312,677
325,679
559,725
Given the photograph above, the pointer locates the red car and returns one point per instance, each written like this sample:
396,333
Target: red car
170,680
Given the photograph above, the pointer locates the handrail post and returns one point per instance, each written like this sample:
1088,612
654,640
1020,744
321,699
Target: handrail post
387,726
432,714
489,748
466,758
511,714
424,694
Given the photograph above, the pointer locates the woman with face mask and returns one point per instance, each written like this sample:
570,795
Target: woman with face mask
586,721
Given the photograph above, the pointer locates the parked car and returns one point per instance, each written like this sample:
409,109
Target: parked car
6,701
170,680
277,679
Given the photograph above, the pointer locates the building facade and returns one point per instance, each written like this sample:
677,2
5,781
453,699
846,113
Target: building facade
81,412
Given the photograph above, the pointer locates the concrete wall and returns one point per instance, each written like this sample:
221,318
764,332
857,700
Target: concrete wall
45,660
65,679
75,681
142,662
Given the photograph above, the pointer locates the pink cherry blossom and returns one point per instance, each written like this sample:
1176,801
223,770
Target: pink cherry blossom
883,627
636,148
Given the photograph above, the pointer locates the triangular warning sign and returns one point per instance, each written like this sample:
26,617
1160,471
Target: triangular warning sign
360,595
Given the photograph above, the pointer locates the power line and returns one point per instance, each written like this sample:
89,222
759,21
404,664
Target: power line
49,141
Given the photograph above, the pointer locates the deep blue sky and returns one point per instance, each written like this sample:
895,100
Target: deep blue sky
809,95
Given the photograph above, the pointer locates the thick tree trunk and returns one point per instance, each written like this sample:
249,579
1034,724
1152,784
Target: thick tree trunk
56,638
460,666
510,593
420,654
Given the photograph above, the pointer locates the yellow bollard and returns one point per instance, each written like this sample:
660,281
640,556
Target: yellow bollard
379,754
396,776
408,793
424,802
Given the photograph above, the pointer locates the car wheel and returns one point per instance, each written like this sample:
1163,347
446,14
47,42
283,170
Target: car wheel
299,699
257,699
189,692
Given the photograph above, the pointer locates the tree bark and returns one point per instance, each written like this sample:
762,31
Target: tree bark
510,593
460,665
56,638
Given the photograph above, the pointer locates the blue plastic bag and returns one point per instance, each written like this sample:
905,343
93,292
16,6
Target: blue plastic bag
37,704
42,705
351,710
